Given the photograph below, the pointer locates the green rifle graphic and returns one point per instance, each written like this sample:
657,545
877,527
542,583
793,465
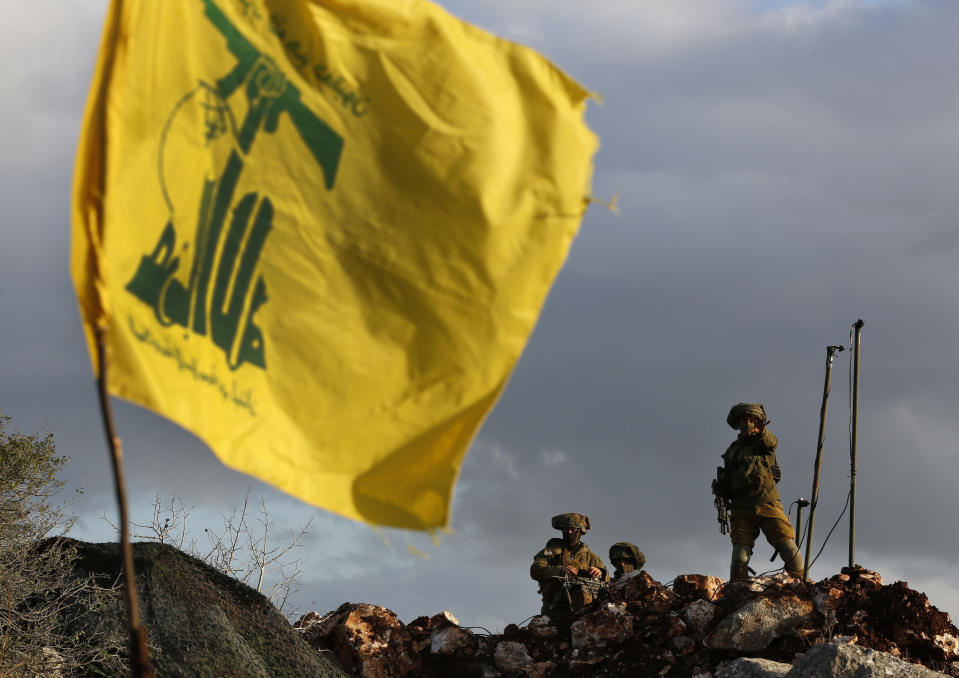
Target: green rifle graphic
269,95
228,258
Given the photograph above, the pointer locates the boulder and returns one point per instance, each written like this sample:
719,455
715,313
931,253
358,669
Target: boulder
511,657
760,621
452,640
698,586
542,626
735,593
368,640
862,576
828,660
641,590
628,585
444,618
752,667
698,615
611,624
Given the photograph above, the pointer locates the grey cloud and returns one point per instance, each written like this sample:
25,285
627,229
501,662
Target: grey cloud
777,179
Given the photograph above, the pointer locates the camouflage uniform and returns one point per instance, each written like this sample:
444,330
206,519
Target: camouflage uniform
748,482
633,557
549,565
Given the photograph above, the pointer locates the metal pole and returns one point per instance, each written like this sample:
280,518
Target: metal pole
814,497
857,328
139,659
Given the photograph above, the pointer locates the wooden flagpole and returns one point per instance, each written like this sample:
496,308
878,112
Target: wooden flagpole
139,658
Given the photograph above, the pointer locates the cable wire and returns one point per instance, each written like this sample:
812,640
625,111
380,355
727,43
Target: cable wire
805,527
804,530
836,524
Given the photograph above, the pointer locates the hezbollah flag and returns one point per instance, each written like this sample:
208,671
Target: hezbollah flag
320,232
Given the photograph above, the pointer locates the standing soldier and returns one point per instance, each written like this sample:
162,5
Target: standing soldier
747,481
563,561
625,557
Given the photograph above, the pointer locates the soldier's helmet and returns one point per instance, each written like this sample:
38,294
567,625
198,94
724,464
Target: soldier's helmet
626,551
566,520
740,410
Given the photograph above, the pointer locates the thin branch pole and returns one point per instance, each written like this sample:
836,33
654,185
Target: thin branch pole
139,658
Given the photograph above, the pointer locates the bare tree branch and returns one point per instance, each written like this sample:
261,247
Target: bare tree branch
238,549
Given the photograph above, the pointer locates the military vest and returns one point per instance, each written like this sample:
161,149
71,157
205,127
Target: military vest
548,569
751,470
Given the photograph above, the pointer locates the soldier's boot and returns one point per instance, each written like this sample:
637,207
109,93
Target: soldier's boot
739,565
789,552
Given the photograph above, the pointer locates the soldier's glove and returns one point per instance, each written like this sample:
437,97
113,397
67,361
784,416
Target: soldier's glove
761,428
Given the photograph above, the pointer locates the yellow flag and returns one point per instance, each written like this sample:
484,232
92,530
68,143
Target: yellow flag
320,233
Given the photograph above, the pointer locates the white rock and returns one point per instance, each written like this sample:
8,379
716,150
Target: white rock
698,615
444,618
757,623
749,667
832,660
452,640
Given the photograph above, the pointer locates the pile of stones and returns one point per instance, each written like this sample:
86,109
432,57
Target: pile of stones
698,626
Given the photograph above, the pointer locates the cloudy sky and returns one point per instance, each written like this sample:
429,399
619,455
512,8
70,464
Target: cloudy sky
783,168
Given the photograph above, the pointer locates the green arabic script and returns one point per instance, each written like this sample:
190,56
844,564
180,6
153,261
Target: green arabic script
242,398
223,290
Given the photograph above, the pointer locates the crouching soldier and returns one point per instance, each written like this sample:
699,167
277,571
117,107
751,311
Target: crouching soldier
568,572
625,557
747,481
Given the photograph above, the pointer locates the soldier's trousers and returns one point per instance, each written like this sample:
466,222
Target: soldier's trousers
746,523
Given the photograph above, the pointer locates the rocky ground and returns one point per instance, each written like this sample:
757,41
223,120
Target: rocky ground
697,626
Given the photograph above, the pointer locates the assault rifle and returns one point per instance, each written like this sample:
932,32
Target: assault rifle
720,502
580,590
